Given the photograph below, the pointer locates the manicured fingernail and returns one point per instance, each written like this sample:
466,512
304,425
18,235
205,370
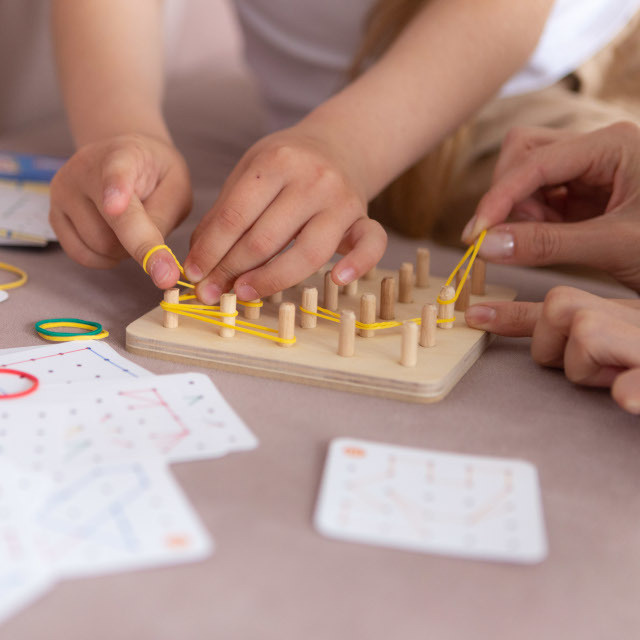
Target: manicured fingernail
193,273
210,293
480,316
497,245
347,275
466,233
159,270
246,292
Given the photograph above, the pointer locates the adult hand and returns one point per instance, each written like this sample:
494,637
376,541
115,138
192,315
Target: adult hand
293,185
596,341
120,197
580,195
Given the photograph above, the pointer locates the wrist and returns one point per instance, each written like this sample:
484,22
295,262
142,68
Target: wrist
110,121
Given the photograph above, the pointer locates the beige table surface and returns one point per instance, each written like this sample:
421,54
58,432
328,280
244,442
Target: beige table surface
272,576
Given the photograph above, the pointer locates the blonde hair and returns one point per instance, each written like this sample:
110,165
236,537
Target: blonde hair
412,203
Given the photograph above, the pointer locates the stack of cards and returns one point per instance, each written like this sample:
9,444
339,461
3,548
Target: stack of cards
84,481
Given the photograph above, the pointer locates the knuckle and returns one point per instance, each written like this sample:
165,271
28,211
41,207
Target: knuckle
624,130
316,256
516,137
284,155
260,245
555,302
231,219
518,315
585,327
271,282
544,243
228,273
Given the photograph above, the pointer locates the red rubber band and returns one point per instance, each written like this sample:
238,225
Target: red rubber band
26,392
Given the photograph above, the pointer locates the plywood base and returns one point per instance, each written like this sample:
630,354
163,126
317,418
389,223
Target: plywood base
375,368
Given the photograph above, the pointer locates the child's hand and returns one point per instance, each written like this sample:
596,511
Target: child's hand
596,341
121,196
580,195
292,185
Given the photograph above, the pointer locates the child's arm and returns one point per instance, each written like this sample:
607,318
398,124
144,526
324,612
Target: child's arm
312,182
109,56
579,194
595,341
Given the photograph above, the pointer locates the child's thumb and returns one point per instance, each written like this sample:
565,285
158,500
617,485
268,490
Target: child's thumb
118,182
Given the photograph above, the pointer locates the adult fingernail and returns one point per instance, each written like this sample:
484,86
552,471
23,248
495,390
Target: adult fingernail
246,292
497,245
210,293
193,273
160,270
480,316
347,275
467,232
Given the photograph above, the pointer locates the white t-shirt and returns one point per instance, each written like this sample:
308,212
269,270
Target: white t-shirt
300,50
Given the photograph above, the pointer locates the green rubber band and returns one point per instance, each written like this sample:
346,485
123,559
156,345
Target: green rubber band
66,334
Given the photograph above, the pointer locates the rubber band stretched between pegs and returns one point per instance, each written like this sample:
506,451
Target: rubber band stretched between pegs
20,394
15,270
240,325
325,314
471,251
94,330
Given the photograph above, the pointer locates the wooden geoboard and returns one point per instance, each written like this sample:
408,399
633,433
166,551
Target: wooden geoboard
373,370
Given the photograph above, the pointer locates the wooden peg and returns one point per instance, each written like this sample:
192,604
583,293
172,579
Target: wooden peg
228,305
276,298
423,262
347,335
462,303
388,298
428,325
169,319
252,313
330,293
409,354
372,274
286,322
478,274
367,314
351,289
405,289
310,303
445,309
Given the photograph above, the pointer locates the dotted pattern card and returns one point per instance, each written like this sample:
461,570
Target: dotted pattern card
23,576
433,502
116,517
64,363
176,417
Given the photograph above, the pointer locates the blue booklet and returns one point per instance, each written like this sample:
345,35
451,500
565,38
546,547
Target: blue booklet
28,167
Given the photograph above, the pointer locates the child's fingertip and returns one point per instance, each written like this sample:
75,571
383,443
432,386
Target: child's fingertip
114,200
345,275
163,272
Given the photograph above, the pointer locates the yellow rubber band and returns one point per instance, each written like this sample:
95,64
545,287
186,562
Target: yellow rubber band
98,336
204,317
15,270
164,246
471,251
